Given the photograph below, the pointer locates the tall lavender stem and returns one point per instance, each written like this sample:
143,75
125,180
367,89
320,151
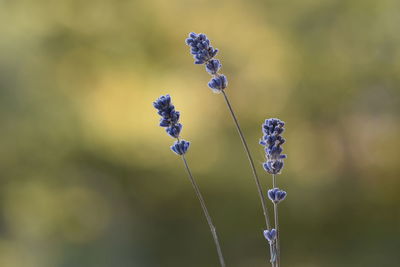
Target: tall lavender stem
204,53
246,148
256,179
273,141
277,242
170,120
205,211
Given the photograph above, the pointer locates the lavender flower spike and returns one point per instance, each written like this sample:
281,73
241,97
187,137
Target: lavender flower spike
201,48
273,141
204,53
169,116
170,120
276,195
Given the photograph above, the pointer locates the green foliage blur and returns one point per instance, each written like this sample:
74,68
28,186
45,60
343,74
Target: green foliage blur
87,177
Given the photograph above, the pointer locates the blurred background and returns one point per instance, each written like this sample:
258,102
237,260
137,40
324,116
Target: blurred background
87,177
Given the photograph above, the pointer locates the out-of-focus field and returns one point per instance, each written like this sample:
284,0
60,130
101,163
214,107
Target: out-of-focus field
87,177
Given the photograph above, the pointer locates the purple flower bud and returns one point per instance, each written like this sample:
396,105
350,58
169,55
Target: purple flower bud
276,195
162,102
200,48
213,66
273,166
180,147
270,235
169,116
174,130
272,141
218,83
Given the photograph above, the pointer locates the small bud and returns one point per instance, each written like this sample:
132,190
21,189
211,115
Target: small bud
270,235
174,130
180,147
213,66
276,195
218,83
273,166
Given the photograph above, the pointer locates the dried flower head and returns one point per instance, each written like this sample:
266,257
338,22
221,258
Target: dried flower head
201,48
273,141
204,53
169,116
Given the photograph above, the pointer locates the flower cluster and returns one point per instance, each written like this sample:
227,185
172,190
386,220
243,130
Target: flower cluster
201,48
270,235
276,195
169,116
204,53
170,120
273,141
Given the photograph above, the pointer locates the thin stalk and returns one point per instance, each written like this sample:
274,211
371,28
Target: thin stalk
260,193
273,255
277,243
278,260
273,181
205,211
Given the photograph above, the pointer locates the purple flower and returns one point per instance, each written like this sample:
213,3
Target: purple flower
169,116
201,48
270,235
163,102
204,53
213,66
276,195
174,130
273,166
180,147
273,141
218,83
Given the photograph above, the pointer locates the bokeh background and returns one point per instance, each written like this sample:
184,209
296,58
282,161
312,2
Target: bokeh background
87,177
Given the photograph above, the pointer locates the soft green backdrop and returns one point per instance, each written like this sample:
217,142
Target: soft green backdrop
86,175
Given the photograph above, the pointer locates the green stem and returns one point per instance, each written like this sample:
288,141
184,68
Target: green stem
257,181
205,211
277,243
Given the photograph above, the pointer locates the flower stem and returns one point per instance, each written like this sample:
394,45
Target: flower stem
273,181
277,243
278,260
257,181
264,207
205,211
271,251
